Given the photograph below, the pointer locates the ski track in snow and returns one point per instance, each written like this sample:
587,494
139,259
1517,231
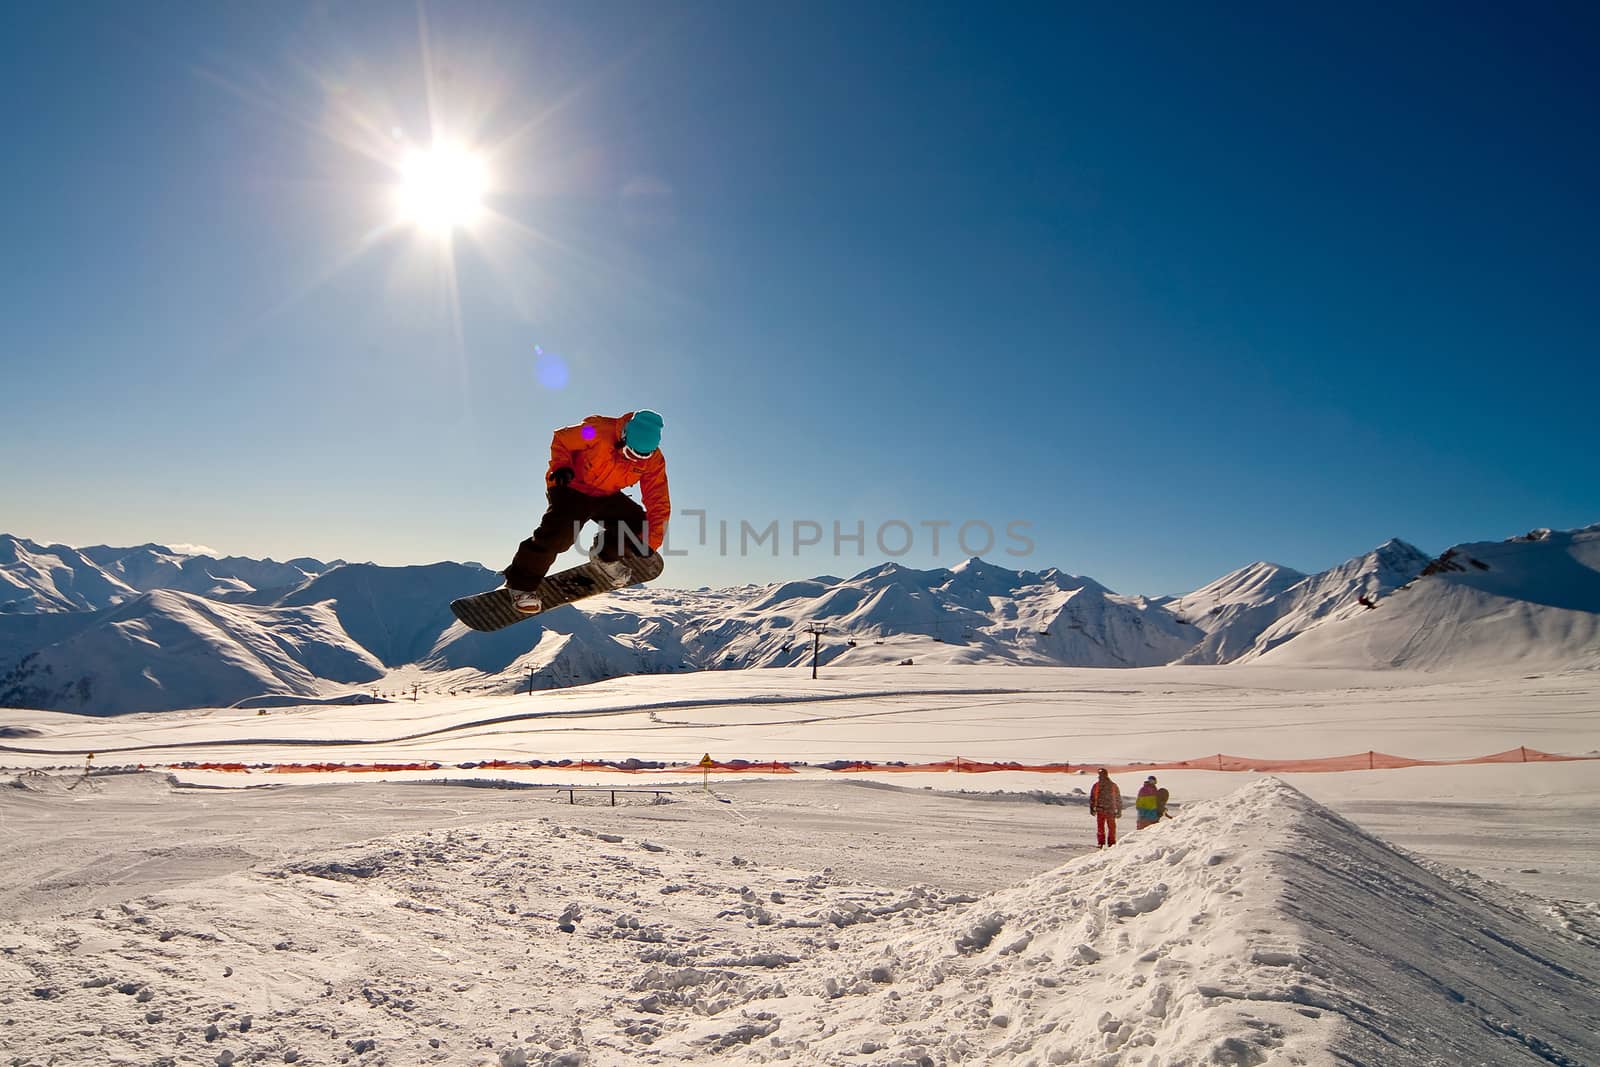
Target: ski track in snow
527,716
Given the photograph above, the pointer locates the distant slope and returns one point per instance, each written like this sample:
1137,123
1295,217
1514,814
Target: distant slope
396,613
21,635
1532,602
1249,628
167,650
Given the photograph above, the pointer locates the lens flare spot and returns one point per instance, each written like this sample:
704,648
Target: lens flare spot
550,369
589,433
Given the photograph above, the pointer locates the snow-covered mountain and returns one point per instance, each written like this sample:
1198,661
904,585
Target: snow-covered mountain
165,650
52,578
158,567
972,612
398,617
396,613
110,630
1531,602
1257,620
1250,585
47,578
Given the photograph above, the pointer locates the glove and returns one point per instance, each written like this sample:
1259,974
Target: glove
562,477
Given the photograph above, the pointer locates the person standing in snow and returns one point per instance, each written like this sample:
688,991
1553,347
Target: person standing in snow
590,465
1105,804
1147,806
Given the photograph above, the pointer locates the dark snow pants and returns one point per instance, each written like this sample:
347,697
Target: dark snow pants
621,531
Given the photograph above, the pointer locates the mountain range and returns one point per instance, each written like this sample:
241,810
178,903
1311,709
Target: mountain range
104,630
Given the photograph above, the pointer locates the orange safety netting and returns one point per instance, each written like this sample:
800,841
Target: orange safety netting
1524,754
1359,761
959,764
737,766
302,768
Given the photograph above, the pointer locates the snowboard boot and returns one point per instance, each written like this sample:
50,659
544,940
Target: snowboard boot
615,569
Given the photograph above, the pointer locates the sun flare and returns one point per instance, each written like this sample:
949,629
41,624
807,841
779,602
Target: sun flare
442,189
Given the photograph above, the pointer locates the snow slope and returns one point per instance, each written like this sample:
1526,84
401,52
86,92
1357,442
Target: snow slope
1250,627
395,613
1529,603
1259,928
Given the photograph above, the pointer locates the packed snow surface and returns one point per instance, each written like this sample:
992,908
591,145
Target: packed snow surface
477,916
1256,928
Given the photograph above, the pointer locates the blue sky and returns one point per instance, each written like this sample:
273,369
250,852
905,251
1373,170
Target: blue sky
1177,289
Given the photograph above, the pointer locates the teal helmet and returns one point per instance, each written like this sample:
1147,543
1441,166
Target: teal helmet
643,432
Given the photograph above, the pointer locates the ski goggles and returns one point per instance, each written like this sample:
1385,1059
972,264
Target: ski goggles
636,456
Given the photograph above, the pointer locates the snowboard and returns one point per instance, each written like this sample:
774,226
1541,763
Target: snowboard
493,611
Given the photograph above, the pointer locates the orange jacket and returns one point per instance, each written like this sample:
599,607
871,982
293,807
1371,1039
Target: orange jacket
593,449
1105,801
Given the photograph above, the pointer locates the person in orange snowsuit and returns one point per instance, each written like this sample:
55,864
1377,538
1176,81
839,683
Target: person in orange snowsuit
590,465
1105,804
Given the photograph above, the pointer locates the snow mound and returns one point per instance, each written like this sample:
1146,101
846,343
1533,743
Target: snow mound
1258,928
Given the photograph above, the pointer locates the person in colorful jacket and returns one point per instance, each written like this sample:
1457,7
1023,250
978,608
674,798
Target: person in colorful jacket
1105,804
590,465
1147,806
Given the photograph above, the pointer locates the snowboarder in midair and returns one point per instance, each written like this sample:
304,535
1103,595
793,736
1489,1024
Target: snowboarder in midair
590,464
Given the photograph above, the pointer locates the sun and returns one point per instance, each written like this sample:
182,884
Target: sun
442,189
